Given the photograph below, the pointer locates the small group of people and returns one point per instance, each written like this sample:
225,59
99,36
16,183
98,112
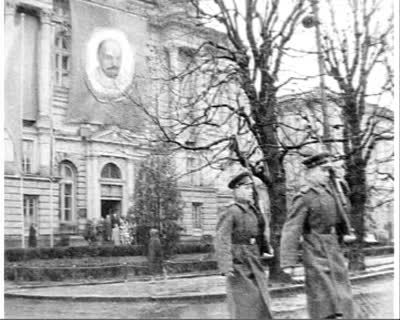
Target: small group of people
113,228
317,221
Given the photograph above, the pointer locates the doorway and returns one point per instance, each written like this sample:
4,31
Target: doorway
110,207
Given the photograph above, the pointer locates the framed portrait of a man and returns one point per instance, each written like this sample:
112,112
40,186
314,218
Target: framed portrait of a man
109,64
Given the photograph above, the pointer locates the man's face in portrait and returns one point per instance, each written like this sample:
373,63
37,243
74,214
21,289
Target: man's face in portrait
109,55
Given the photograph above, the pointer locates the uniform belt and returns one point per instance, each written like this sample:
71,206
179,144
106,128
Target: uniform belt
249,241
329,230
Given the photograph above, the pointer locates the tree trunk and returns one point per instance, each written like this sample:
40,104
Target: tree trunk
277,178
277,195
356,178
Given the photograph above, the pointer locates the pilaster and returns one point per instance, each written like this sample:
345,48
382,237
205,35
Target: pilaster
45,68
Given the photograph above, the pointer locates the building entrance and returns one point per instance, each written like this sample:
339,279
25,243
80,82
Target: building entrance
110,207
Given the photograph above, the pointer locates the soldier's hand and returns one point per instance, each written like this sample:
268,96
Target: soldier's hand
349,238
289,271
269,254
230,273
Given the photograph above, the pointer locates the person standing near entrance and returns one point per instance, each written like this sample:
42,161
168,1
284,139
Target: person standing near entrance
108,228
319,215
238,252
115,237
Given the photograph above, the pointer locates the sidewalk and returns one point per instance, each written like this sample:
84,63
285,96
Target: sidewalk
180,287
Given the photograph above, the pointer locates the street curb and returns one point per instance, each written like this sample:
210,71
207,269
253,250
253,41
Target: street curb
204,297
144,279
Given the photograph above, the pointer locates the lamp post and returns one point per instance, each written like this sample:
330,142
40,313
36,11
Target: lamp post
309,22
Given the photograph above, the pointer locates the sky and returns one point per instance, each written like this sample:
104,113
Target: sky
302,64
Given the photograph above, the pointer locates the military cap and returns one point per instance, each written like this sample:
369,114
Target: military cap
316,159
240,179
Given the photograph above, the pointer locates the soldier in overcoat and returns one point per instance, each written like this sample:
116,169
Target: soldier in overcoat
240,242
318,215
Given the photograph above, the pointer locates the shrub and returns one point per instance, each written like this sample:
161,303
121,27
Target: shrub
194,247
18,254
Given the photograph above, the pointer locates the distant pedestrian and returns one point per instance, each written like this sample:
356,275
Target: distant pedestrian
319,215
240,242
108,228
90,232
124,232
154,254
115,235
32,239
115,219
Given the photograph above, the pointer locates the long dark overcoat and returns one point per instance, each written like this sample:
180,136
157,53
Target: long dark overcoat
236,249
319,214
154,256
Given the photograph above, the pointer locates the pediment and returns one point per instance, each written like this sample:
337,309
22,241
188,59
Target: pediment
114,135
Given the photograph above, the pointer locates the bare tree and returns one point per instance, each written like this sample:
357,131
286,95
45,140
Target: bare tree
222,102
222,99
354,56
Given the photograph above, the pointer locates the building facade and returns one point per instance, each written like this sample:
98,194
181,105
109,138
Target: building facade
75,133
62,168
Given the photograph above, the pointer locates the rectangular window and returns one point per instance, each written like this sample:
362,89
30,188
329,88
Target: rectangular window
27,156
195,178
66,201
30,211
62,59
197,215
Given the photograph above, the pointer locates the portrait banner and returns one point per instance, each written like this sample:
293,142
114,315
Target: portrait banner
108,66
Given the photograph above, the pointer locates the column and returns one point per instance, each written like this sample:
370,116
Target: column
9,12
46,143
130,181
11,139
45,68
93,191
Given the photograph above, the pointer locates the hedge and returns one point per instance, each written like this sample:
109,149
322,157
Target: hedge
18,254
101,272
14,255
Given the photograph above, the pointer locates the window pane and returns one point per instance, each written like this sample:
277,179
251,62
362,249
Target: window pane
67,215
30,211
68,189
64,43
67,203
27,149
67,172
196,215
65,63
110,170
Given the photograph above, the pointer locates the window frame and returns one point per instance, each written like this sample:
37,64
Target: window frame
195,177
67,181
28,155
62,75
108,169
197,215
34,205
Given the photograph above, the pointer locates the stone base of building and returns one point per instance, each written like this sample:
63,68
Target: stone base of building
44,241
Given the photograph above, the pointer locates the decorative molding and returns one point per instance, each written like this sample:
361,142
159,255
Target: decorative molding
10,7
46,16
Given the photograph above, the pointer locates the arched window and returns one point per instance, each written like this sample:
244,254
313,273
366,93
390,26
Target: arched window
67,192
111,171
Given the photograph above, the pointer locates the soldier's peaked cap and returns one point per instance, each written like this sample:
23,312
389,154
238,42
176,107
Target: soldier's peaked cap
240,179
316,159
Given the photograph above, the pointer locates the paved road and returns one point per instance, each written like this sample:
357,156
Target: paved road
374,300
